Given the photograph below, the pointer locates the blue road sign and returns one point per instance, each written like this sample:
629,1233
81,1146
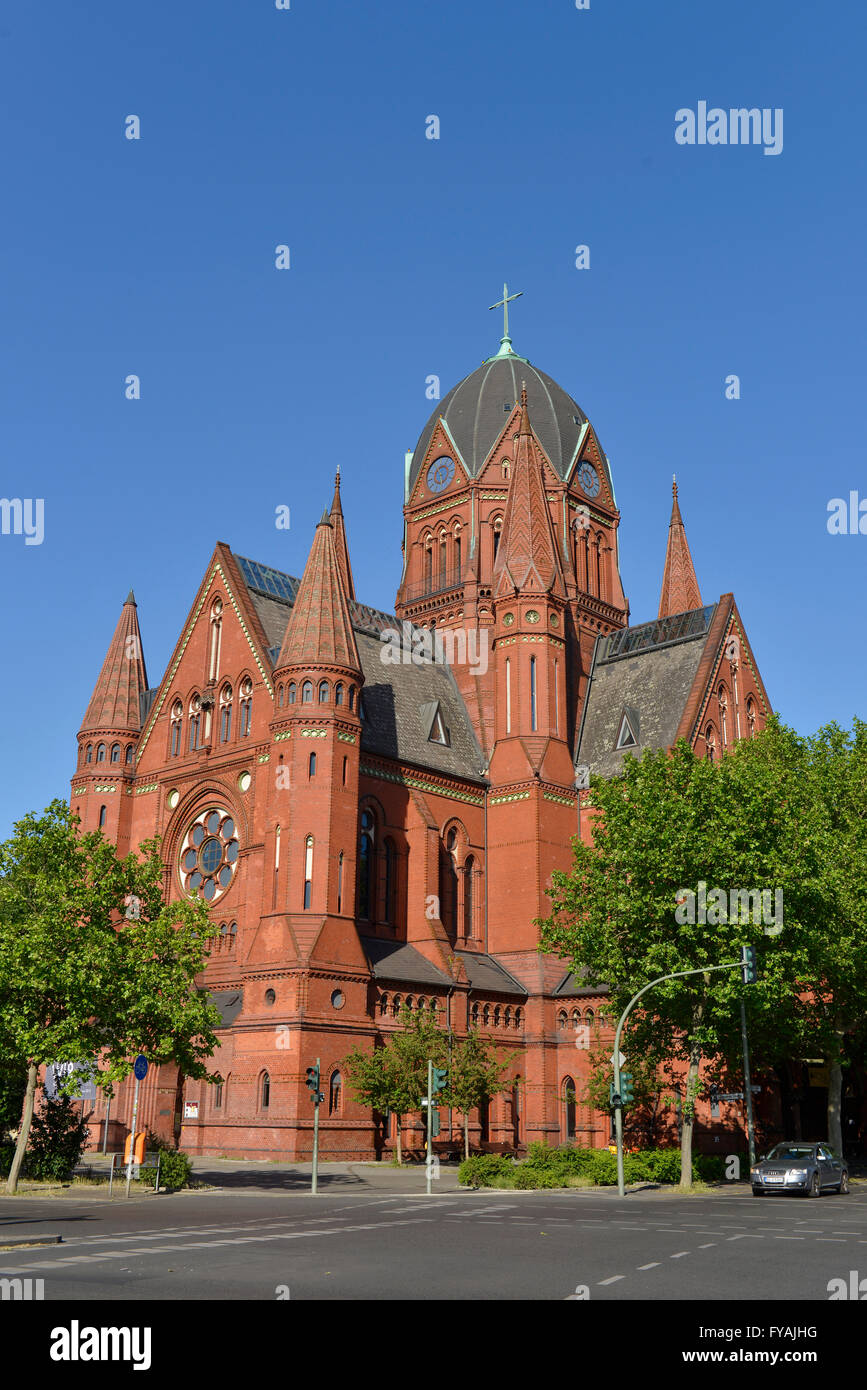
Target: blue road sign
140,1068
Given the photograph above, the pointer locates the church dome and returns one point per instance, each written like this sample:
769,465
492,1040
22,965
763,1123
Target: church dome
476,410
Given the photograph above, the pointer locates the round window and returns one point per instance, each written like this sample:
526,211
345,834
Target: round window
338,999
208,856
270,996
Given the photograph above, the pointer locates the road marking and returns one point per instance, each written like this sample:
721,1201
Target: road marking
679,1256
653,1265
709,1246
612,1280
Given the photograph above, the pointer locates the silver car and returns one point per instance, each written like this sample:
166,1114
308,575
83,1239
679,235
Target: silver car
808,1169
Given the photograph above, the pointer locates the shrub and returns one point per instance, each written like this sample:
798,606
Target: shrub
664,1165
481,1169
176,1167
712,1167
58,1135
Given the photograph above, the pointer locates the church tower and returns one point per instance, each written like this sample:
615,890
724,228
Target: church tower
680,591
316,738
109,734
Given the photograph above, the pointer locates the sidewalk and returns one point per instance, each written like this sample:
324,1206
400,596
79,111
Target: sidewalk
264,1175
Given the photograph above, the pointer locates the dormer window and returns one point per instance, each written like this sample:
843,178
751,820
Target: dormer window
627,736
439,733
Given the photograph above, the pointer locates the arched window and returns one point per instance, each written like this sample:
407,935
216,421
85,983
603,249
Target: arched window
519,1018
457,552
335,1094
507,1017
396,1006
469,895
428,565
195,722
599,545
102,815
246,711
338,693
226,713
497,533
307,693
589,1017
345,769
218,1096
723,708
308,871
508,696
100,752
292,693
751,719
410,1002
390,883
115,752
366,873
340,881
324,692
474,1015
710,742
576,1018
568,1093
533,693
88,756
496,1015
352,697
449,884
562,1019
216,638
129,753
383,1004
265,1091
311,765
177,720
486,1016
280,694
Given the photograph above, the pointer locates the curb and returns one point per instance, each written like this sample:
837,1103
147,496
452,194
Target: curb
12,1242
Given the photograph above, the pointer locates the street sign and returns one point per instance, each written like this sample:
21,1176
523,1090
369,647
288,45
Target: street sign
730,1095
621,1058
140,1068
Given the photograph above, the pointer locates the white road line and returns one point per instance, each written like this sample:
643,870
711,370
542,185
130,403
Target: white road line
709,1246
679,1256
790,1237
654,1264
612,1280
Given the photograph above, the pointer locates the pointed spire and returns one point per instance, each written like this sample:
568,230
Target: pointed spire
680,591
319,631
115,704
527,556
340,539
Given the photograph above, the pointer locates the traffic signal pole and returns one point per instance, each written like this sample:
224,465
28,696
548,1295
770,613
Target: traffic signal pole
428,1164
618,1110
748,1090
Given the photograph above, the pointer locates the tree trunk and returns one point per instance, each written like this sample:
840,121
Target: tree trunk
466,1134
397,1120
689,1106
835,1096
24,1132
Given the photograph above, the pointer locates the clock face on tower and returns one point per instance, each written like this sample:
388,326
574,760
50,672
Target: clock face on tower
589,479
440,473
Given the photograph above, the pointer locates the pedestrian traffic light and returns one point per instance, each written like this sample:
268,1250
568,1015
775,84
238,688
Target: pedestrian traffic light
627,1092
439,1077
312,1084
748,965
434,1122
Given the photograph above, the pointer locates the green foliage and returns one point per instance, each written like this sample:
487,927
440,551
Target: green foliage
176,1167
13,1081
482,1169
58,1135
546,1167
477,1072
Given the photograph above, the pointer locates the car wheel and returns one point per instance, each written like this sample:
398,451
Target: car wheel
844,1185
815,1189
758,1192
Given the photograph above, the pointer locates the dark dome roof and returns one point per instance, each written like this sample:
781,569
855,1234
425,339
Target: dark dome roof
475,414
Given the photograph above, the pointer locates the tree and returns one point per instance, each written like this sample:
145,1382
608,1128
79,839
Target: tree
476,1073
394,1076
79,982
681,847
652,1085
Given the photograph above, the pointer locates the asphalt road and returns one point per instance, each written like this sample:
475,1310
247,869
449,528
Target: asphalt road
360,1240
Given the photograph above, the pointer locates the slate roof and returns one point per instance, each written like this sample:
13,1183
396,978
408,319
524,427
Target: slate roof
229,1002
570,986
475,415
487,976
649,669
394,723
394,960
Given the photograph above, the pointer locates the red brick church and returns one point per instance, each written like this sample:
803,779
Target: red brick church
372,804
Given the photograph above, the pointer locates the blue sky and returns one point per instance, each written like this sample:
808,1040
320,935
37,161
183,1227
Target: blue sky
307,127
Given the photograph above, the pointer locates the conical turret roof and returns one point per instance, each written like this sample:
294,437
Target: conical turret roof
115,703
680,591
319,631
527,557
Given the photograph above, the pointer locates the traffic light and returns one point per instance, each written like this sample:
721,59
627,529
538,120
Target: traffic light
439,1077
312,1084
434,1123
748,965
614,1100
627,1091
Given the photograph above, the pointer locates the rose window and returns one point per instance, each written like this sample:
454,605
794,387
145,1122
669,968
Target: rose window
209,855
